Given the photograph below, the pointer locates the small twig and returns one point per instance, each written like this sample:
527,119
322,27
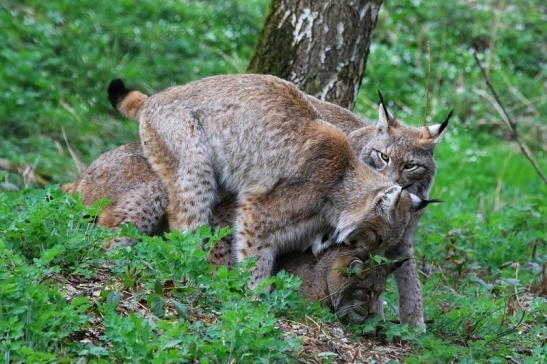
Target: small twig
513,360
29,173
80,166
509,122
495,26
427,83
512,329
319,327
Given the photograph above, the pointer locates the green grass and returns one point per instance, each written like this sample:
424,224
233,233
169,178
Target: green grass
482,251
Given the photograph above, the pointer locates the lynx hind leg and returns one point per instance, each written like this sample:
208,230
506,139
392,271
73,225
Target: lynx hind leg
267,224
179,154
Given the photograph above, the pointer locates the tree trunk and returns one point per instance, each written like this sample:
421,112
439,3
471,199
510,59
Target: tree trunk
321,46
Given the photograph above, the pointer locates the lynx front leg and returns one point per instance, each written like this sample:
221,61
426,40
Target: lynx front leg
250,240
178,152
411,310
410,295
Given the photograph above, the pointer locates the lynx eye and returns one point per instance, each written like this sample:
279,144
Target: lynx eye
410,166
383,156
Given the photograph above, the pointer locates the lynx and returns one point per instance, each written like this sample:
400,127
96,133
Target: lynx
353,297
340,280
406,149
124,176
406,155
295,175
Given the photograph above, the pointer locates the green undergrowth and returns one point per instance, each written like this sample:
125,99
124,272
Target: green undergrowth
192,310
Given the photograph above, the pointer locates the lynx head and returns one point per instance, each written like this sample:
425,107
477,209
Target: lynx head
378,221
402,153
355,283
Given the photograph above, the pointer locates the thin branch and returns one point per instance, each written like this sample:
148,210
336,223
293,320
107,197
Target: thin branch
427,84
80,166
509,122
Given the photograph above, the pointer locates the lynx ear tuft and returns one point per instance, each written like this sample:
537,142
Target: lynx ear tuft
418,203
385,118
435,131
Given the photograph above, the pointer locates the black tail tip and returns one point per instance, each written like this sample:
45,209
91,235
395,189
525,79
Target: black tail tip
117,91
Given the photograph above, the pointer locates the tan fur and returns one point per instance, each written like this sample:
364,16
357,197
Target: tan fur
259,137
68,187
352,297
131,104
124,176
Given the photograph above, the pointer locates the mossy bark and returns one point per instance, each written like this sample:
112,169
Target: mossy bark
321,46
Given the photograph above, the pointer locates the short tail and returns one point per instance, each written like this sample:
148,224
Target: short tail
128,102
69,187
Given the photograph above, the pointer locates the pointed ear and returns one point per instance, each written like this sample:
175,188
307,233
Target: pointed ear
346,225
357,265
436,131
385,118
321,243
343,232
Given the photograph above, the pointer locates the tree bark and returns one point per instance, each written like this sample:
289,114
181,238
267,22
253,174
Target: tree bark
321,46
